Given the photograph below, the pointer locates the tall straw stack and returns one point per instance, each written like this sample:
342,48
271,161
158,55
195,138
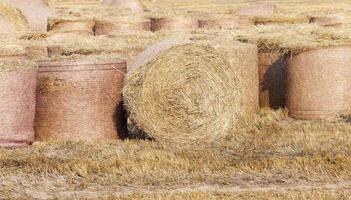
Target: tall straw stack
180,91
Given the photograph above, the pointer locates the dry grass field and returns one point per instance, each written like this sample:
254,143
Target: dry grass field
266,156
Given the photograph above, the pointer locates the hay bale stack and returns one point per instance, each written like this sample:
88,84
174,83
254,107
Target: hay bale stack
257,10
174,24
329,20
79,98
181,91
133,5
108,27
62,28
17,102
11,20
36,12
272,70
318,83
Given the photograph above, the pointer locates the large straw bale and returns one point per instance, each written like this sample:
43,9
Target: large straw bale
133,5
319,83
36,13
12,19
183,92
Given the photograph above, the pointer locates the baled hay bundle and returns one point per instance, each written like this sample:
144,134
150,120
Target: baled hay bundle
11,19
12,51
319,83
226,23
110,26
17,102
69,24
329,20
174,23
133,5
63,28
181,91
257,10
281,19
36,12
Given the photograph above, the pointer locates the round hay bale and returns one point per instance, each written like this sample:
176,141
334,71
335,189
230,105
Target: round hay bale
237,22
37,52
173,23
6,26
243,59
17,103
181,91
272,70
318,83
36,12
13,52
257,10
133,5
55,50
58,36
70,24
11,20
329,20
80,100
108,27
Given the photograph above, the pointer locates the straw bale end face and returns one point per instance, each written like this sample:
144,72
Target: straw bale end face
319,83
187,92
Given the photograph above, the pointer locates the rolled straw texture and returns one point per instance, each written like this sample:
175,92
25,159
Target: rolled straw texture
318,83
80,100
17,105
272,70
182,92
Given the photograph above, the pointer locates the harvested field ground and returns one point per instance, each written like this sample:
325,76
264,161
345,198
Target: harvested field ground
269,157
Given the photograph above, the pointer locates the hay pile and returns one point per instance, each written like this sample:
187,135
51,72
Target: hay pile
184,92
10,16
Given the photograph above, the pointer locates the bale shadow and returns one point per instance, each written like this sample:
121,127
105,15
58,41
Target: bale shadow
125,128
275,81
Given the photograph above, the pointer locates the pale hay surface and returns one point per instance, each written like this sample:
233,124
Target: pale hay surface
270,156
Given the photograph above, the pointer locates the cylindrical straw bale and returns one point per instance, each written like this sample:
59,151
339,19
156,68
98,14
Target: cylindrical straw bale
36,12
13,52
107,27
80,100
329,20
17,103
70,25
272,70
243,58
318,83
257,10
237,22
133,5
173,23
180,91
